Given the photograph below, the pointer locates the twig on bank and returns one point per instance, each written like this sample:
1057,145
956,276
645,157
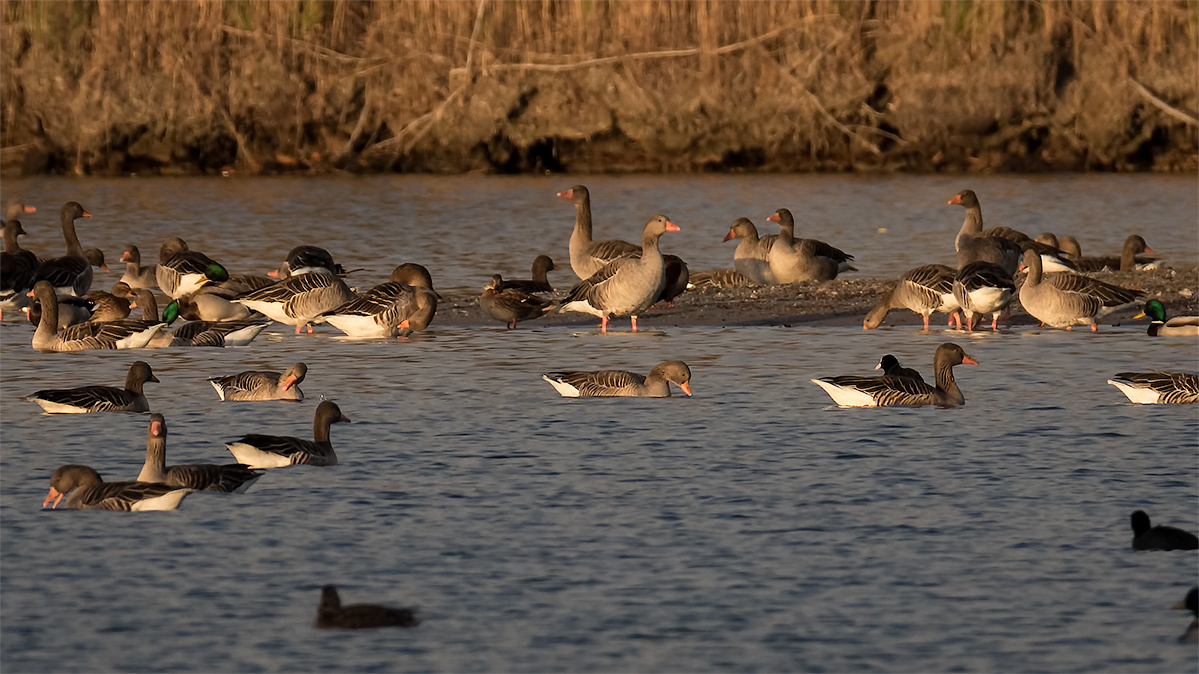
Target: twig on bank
1162,105
474,40
317,50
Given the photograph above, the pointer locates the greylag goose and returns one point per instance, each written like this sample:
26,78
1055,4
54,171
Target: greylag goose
99,398
71,310
1158,388
182,271
137,276
855,391
540,283
972,246
15,208
626,286
17,266
619,383
586,256
108,306
509,305
793,260
96,257
1128,260
1148,537
891,368
1053,259
678,279
88,491
273,451
719,278
1174,327
1067,299
1190,603
299,300
751,257
332,615
72,273
925,289
230,478
218,334
405,304
306,260
124,334
262,384
983,288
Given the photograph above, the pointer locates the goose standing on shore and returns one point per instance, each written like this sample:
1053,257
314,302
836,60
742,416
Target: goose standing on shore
626,286
299,300
88,491
972,246
620,383
1179,326
182,271
72,273
274,451
254,385
233,478
100,398
406,303
587,256
752,256
858,391
983,288
793,260
925,289
1158,388
124,334
1066,299
510,305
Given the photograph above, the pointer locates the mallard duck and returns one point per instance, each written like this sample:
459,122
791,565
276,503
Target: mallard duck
1179,326
540,282
509,305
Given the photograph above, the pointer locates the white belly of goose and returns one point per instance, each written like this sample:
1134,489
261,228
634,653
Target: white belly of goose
564,389
256,458
846,396
139,340
168,501
1137,394
356,325
58,408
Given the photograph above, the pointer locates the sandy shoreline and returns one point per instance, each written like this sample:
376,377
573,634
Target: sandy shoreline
843,302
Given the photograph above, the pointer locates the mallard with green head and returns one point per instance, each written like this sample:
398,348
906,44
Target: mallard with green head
1160,327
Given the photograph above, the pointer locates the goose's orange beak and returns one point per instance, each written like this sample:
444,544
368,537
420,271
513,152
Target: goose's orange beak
52,496
686,388
967,360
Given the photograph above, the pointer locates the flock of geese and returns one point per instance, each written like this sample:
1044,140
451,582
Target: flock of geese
616,279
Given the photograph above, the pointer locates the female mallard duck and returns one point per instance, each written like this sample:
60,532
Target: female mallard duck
88,491
1179,326
509,305
262,384
232,478
1066,299
273,451
405,304
619,383
123,334
856,391
925,289
1158,388
99,398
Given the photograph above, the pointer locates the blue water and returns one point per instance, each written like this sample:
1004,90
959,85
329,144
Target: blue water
753,527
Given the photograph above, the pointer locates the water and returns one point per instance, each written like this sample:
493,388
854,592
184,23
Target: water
751,528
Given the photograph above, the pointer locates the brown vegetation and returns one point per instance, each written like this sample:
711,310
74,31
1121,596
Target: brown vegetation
598,85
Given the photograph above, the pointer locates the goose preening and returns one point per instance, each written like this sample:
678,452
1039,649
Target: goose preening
983,288
510,305
972,246
891,368
182,271
719,278
925,289
1053,259
857,391
1190,603
793,260
262,384
71,310
1179,326
86,490
85,399
72,273
752,256
619,383
1067,299
626,286
213,303
17,266
540,282
136,276
274,451
306,260
299,300
1128,260
330,614
233,478
587,256
404,304
123,334
1145,536
1158,388
218,334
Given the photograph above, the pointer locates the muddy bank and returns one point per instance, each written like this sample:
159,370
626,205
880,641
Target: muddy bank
255,86
843,302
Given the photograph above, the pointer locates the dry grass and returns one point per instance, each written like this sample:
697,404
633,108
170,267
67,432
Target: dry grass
428,85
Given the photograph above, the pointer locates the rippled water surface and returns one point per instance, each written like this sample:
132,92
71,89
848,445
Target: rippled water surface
752,527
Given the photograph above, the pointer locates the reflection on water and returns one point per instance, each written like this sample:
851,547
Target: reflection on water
753,527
